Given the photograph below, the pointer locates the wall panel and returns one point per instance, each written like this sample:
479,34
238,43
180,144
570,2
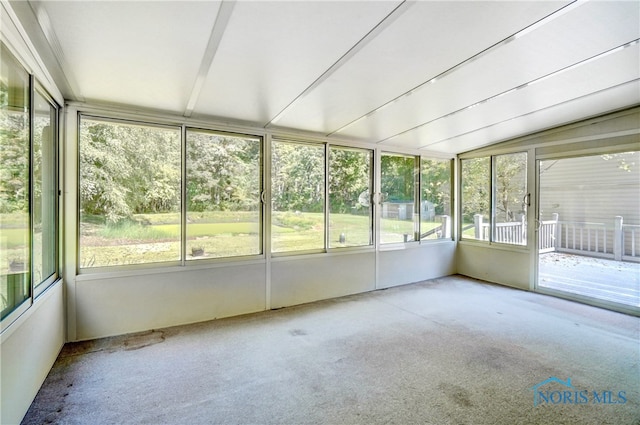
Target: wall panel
29,348
497,265
305,279
427,261
118,305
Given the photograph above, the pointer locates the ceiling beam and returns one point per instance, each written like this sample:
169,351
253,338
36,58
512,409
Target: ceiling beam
219,27
381,26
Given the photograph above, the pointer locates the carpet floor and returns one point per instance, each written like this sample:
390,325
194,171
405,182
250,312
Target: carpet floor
446,351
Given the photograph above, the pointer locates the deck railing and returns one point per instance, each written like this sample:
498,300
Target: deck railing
615,240
630,242
576,237
547,231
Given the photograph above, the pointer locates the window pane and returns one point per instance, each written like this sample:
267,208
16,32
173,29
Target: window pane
223,195
510,205
44,190
435,202
14,183
398,219
129,193
297,197
350,219
475,198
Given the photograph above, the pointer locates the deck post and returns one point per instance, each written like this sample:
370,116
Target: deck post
477,221
446,227
555,231
617,239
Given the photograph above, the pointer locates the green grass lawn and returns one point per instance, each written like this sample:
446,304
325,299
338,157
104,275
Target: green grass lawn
156,238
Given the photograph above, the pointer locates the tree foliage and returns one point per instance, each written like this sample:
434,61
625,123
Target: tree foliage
436,184
133,169
475,188
399,177
127,169
14,154
297,177
349,177
223,173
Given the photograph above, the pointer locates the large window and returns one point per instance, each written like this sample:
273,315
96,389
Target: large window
350,212
129,193
14,184
28,186
475,198
45,188
510,198
224,188
495,199
297,196
435,199
165,194
399,218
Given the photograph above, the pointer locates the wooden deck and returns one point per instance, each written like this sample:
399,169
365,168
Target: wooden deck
616,281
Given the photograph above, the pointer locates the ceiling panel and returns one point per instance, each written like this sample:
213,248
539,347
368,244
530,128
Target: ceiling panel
133,52
272,51
322,66
588,29
426,40
611,70
574,110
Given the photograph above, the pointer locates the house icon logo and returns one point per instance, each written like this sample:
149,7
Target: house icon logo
537,392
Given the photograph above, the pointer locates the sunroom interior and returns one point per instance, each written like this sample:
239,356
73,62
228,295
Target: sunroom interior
176,162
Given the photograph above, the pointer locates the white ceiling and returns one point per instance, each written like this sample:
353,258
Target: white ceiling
444,76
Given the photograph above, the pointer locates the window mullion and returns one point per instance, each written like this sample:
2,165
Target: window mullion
327,211
492,198
30,186
417,200
183,195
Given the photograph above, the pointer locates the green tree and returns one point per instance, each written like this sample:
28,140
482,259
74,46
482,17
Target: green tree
223,173
297,177
436,184
476,193
399,176
14,156
349,176
128,169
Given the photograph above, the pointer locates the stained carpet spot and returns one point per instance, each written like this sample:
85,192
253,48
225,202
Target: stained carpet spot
457,394
492,357
297,332
141,340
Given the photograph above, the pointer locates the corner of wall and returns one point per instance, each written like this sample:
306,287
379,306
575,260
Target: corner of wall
29,349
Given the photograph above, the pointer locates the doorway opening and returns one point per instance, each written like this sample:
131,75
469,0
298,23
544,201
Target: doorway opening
589,228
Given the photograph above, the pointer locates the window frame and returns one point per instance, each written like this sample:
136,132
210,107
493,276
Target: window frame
305,142
132,121
415,212
492,159
36,288
40,287
494,203
184,195
451,165
371,178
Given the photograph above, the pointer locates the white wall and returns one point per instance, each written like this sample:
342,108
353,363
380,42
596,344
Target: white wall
29,347
510,267
427,261
119,303
31,343
300,279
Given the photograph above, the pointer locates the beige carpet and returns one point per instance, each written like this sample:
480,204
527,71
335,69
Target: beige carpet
447,351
